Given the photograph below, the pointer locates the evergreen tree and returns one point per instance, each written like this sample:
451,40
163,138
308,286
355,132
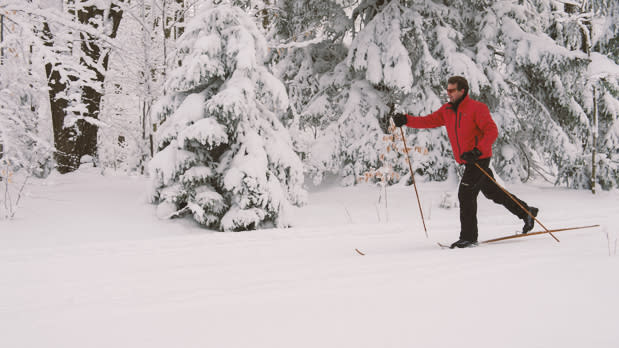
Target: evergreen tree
225,156
306,42
605,44
307,39
377,77
550,59
525,60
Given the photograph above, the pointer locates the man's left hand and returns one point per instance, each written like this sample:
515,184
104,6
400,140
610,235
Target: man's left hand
471,156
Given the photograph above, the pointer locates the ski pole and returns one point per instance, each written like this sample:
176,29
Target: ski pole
410,167
514,199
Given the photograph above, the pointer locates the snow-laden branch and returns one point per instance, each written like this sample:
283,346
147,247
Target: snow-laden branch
51,16
297,44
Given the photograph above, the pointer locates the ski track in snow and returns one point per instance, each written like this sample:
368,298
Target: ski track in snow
115,276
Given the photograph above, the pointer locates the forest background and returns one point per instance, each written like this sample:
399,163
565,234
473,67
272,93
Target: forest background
114,82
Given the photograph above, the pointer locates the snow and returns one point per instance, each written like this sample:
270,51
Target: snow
378,50
190,111
207,132
87,263
250,161
601,67
508,152
168,162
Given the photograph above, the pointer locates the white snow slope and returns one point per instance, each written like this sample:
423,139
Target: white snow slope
86,263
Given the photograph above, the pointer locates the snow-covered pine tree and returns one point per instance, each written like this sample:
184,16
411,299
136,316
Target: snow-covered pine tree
605,45
605,27
306,39
468,38
510,45
526,60
536,82
388,68
224,156
548,58
307,42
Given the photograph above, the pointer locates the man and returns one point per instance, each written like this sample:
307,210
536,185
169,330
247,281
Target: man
471,132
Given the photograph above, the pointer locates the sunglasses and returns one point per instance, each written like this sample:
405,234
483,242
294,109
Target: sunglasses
451,90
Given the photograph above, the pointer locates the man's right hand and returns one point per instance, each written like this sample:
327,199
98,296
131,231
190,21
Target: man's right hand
399,119
471,156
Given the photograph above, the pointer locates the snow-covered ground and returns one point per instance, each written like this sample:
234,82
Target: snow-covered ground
86,263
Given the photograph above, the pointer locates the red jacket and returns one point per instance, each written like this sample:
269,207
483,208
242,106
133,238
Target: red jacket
471,127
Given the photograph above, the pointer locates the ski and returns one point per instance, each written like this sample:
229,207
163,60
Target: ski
536,233
449,246
526,235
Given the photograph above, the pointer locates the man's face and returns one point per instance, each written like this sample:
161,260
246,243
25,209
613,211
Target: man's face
453,93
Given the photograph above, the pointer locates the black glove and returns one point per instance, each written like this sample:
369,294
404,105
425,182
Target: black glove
399,119
471,156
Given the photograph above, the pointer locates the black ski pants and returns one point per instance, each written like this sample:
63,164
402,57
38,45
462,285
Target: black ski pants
473,181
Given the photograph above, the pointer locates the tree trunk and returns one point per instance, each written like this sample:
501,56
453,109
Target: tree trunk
81,139
173,26
595,140
179,18
1,62
1,38
65,154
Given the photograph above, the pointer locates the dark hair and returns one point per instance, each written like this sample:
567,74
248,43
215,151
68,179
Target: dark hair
461,82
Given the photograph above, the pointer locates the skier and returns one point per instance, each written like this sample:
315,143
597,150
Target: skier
471,132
